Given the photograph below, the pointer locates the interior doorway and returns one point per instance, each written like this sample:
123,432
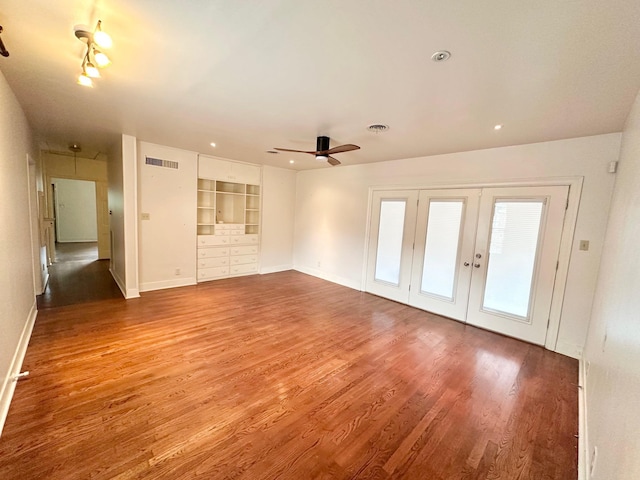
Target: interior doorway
483,256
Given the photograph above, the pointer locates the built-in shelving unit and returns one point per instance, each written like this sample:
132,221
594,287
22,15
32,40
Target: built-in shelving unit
228,219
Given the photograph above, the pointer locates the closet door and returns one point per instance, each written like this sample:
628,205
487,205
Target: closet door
445,237
515,260
392,229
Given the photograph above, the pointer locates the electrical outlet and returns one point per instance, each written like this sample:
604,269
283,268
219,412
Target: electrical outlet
177,271
318,264
145,216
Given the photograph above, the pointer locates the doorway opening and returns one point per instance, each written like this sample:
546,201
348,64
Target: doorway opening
77,274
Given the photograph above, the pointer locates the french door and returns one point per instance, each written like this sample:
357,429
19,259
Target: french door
483,256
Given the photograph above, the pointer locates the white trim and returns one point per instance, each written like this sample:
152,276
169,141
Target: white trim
181,282
277,268
127,293
566,243
568,349
329,277
8,384
583,433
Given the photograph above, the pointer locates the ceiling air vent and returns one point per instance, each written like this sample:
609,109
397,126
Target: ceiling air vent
378,128
161,163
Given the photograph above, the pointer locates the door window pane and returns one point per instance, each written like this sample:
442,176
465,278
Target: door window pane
441,247
512,256
390,233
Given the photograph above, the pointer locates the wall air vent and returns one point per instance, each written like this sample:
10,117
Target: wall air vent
161,163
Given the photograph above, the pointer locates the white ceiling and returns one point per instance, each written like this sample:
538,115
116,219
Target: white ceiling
253,75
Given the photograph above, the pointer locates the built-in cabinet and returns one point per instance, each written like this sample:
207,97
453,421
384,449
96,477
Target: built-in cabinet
228,219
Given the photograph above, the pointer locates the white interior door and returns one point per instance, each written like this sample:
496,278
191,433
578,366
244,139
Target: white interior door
487,257
445,237
515,261
393,223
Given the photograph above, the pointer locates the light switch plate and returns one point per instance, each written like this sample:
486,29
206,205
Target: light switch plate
584,245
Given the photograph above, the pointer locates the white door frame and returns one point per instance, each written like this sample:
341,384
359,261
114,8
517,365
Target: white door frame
566,243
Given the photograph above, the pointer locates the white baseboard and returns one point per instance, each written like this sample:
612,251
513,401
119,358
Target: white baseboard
126,292
583,434
330,277
181,282
277,268
8,384
569,349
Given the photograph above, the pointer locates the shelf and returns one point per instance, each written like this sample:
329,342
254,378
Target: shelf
207,208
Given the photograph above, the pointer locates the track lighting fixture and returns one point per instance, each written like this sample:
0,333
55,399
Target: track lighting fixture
93,57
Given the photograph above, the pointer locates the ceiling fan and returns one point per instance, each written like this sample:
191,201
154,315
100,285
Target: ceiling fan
323,152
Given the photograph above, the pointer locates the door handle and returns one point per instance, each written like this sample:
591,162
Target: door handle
466,264
477,265
478,255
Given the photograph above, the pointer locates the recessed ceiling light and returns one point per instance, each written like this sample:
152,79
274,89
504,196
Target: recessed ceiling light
441,56
498,127
291,161
212,144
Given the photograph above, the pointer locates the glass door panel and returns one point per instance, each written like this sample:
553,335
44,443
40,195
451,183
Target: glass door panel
445,235
513,250
442,247
390,233
392,228
516,251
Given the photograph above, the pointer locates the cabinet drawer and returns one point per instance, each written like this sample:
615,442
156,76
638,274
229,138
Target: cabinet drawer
212,252
237,231
213,262
244,239
215,272
248,268
244,250
243,259
219,231
229,226
204,240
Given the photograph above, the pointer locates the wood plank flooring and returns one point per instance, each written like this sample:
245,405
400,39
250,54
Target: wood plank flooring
78,277
284,376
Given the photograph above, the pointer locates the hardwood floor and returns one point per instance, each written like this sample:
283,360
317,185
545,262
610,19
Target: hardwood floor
284,376
77,277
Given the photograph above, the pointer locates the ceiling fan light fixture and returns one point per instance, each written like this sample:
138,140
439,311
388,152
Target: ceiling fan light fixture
322,158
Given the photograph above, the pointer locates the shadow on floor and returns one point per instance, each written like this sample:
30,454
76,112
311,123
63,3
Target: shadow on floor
78,277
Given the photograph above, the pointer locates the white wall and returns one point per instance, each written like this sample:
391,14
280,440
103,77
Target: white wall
76,215
331,210
278,206
612,350
123,227
167,240
17,296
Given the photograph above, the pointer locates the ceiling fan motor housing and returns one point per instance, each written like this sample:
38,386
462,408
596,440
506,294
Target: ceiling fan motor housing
322,144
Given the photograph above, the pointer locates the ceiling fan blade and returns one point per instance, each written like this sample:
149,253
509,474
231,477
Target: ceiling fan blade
333,161
342,148
296,151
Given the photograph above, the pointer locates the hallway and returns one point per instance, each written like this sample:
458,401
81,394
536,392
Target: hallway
78,277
